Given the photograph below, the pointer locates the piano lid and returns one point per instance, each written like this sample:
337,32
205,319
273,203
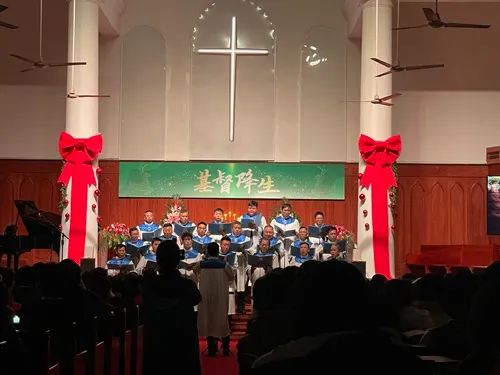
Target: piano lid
36,221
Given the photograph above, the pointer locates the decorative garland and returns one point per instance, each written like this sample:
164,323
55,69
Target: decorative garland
173,210
393,191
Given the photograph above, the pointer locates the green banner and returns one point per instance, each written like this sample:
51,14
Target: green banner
232,180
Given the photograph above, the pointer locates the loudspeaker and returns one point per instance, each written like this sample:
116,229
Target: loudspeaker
87,264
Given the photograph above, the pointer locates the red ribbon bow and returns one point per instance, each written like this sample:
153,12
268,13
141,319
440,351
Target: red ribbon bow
78,153
379,157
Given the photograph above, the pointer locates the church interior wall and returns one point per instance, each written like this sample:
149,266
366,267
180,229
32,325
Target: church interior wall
445,116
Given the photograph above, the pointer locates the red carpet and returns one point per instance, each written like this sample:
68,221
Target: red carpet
218,365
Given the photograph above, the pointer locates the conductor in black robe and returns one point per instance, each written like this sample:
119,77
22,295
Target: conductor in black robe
170,331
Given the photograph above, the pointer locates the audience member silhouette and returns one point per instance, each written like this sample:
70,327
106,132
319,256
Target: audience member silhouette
171,335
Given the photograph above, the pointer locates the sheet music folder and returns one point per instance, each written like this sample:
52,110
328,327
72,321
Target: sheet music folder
261,261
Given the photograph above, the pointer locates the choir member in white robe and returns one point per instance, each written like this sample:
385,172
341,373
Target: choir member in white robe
286,227
225,245
242,266
214,276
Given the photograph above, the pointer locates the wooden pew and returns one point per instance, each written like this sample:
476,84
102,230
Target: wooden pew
448,258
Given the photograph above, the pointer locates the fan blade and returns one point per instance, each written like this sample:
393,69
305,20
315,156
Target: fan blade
410,27
387,104
396,94
54,64
93,96
465,25
23,58
416,67
383,74
2,8
27,70
430,15
387,65
8,25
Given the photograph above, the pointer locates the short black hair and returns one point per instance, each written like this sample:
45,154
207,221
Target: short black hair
318,213
225,238
253,203
201,223
213,249
186,235
168,255
219,209
167,225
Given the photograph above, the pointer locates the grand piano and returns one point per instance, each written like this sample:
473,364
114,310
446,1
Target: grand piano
447,258
43,232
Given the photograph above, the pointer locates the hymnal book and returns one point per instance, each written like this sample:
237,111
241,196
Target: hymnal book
314,231
295,251
151,265
198,246
219,228
285,233
327,247
229,258
148,236
248,223
260,261
179,229
239,247
187,266
121,267
134,251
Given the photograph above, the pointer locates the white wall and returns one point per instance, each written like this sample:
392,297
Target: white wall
445,116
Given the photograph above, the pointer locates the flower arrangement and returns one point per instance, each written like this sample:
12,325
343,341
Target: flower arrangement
115,234
174,207
343,234
277,210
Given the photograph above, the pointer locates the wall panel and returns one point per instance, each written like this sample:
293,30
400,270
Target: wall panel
436,204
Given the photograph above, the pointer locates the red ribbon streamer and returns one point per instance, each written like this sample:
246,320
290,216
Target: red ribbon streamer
379,157
78,154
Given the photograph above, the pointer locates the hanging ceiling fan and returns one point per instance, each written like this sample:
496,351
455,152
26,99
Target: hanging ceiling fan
5,24
434,20
41,63
377,100
398,67
72,95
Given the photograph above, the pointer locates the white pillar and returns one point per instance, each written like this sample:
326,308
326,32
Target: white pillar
375,120
82,113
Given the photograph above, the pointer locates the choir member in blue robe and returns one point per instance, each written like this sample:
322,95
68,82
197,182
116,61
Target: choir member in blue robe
218,219
184,225
264,250
191,257
303,236
168,231
149,257
148,225
135,238
319,222
120,259
254,215
303,256
286,226
201,234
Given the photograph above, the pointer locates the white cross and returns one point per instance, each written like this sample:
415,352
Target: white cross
233,51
